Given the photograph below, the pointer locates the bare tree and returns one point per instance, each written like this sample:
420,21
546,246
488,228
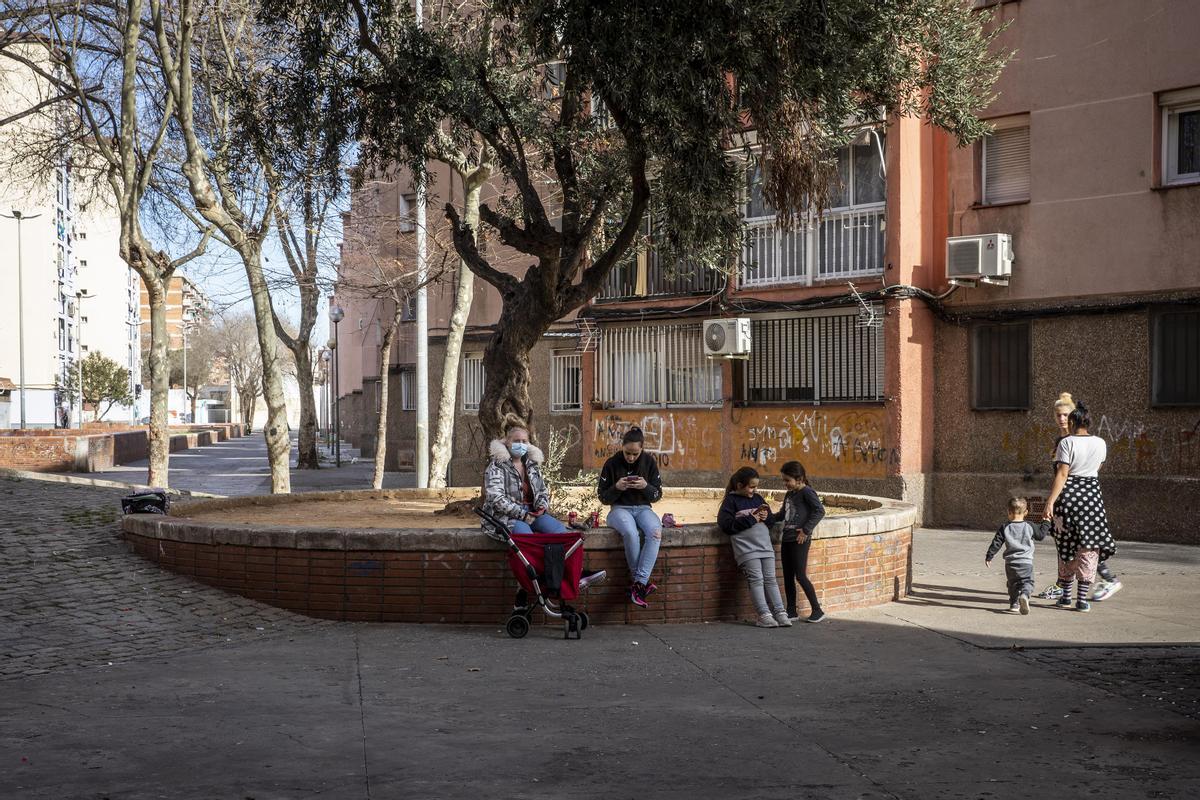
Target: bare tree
114,137
236,340
200,53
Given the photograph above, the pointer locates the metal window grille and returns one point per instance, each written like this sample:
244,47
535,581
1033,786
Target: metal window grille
818,357
566,370
656,365
408,395
472,380
1176,357
1000,355
846,241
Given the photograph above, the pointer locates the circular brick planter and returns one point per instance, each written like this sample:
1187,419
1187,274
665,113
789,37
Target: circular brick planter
459,575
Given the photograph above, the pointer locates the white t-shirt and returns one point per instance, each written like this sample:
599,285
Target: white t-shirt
1083,455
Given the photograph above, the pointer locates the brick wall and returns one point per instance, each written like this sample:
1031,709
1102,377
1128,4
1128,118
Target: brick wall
696,582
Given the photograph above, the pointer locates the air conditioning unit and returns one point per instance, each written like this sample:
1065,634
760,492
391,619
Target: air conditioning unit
985,257
727,338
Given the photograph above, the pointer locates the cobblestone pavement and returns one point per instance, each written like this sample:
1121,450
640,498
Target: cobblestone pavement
1166,677
72,594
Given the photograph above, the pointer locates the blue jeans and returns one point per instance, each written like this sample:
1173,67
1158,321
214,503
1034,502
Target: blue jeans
627,520
543,524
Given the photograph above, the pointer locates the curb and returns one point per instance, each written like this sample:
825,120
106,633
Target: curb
48,477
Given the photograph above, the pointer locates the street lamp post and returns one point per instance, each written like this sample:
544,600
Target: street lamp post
326,357
336,314
185,323
18,216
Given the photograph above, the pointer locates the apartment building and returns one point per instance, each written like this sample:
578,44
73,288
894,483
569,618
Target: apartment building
185,301
866,362
108,310
37,239
1094,169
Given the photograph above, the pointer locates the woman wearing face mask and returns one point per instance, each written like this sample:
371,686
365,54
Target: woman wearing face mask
630,483
514,489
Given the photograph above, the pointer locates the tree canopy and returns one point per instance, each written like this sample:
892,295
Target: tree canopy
683,83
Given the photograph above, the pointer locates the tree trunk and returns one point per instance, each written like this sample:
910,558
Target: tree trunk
443,440
279,445
506,364
306,453
160,385
385,358
248,403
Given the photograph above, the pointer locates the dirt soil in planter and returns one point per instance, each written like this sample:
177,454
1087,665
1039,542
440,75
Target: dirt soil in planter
395,513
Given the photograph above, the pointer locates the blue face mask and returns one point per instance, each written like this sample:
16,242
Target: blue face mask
519,449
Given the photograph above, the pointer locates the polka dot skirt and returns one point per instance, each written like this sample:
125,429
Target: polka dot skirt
1085,523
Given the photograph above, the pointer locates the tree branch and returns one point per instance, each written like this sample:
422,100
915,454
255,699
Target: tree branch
468,250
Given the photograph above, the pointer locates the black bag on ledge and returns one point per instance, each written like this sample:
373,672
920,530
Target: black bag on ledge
150,501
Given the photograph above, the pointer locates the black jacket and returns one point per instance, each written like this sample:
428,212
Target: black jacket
616,468
731,522
802,510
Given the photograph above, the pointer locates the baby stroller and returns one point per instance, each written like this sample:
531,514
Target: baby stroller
548,565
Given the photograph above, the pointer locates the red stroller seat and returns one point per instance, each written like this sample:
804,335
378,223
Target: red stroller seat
548,566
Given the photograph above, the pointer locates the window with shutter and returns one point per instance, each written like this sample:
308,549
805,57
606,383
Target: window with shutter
1006,165
1180,136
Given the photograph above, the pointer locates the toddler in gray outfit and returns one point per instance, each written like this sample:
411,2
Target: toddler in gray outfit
1017,538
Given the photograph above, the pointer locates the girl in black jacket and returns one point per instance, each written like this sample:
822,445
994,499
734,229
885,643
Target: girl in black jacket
802,510
747,519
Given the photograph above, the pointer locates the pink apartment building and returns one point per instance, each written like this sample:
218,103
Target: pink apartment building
865,362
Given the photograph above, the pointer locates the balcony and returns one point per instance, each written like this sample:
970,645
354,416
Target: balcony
645,275
847,243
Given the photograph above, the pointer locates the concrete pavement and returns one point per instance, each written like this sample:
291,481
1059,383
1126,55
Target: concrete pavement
921,699
239,466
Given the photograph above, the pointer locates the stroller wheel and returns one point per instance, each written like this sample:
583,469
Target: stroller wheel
517,626
583,620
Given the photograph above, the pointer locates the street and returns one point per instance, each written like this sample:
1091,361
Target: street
124,681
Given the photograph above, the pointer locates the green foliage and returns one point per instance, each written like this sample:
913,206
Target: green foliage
105,383
681,81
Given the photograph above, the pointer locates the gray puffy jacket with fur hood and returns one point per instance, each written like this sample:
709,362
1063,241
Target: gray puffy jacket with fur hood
502,496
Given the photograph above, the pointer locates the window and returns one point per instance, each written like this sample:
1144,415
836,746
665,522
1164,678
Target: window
566,373
472,380
556,76
1000,366
409,312
82,264
600,113
1181,136
408,217
819,357
1175,357
408,390
1006,162
846,240
660,364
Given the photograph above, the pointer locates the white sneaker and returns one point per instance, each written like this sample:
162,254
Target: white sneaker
1015,608
1023,604
782,619
765,620
1106,590
593,579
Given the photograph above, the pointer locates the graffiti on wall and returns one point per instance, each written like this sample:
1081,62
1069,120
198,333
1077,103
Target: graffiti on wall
1134,446
843,443
684,440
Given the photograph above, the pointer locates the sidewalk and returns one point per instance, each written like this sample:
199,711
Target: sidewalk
239,466
138,683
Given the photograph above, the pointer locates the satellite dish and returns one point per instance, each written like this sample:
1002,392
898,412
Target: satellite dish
714,336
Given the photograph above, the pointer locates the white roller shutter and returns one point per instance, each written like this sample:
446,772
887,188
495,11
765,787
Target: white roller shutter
1006,166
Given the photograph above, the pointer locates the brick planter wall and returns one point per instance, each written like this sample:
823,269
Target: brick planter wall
459,575
96,449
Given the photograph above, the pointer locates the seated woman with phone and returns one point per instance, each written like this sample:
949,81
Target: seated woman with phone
631,484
